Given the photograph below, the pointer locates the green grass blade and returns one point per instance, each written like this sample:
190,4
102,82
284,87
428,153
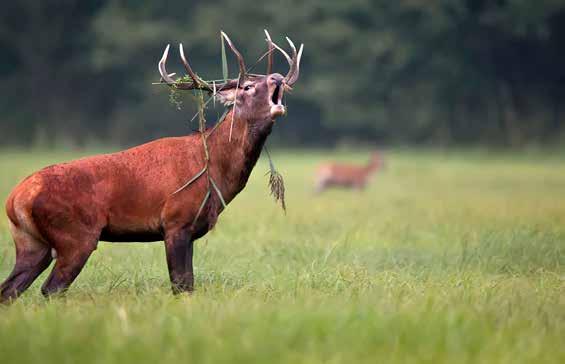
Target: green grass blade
196,176
218,192
224,61
201,207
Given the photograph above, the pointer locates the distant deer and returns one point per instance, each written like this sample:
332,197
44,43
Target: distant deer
346,175
62,211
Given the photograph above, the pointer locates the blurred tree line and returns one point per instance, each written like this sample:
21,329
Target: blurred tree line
405,71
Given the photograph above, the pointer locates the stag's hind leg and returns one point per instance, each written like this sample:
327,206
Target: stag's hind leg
32,258
71,258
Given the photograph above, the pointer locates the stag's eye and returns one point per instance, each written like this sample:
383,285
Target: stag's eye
247,88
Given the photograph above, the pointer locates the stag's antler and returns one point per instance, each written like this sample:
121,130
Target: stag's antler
293,62
242,69
165,76
195,79
198,83
269,53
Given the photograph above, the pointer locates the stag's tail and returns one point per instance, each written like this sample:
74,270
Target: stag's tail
33,256
10,211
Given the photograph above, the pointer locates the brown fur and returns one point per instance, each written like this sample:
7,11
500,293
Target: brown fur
128,196
346,175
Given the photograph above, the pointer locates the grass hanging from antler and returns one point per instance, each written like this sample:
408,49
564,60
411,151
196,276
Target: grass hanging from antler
199,96
276,182
225,73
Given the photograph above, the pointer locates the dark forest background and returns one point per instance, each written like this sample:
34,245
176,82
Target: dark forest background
392,72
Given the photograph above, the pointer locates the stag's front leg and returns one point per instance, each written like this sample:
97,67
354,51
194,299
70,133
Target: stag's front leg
178,246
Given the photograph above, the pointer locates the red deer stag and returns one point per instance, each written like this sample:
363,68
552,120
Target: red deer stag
62,211
346,175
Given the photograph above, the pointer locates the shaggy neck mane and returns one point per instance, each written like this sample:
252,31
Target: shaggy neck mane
232,160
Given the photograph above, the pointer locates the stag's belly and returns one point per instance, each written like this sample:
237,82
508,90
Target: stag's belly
113,236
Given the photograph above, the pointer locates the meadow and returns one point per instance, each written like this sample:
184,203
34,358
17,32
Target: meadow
447,257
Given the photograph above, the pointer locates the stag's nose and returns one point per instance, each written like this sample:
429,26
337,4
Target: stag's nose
277,78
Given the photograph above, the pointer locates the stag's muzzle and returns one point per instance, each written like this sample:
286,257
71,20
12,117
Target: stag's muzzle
276,86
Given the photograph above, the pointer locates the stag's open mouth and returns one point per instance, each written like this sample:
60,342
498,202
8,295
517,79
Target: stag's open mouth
277,107
275,97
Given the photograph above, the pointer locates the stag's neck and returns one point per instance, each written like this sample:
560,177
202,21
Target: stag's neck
234,148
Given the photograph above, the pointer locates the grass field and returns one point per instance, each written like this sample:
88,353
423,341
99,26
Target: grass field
448,257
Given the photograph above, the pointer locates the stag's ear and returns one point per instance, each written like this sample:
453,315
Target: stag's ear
227,97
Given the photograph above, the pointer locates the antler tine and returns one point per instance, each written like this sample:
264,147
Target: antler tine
288,59
242,69
296,73
293,62
270,55
170,75
291,46
165,76
197,81
162,70
292,70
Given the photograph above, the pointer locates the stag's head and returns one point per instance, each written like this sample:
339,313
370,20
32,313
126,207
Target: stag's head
255,97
